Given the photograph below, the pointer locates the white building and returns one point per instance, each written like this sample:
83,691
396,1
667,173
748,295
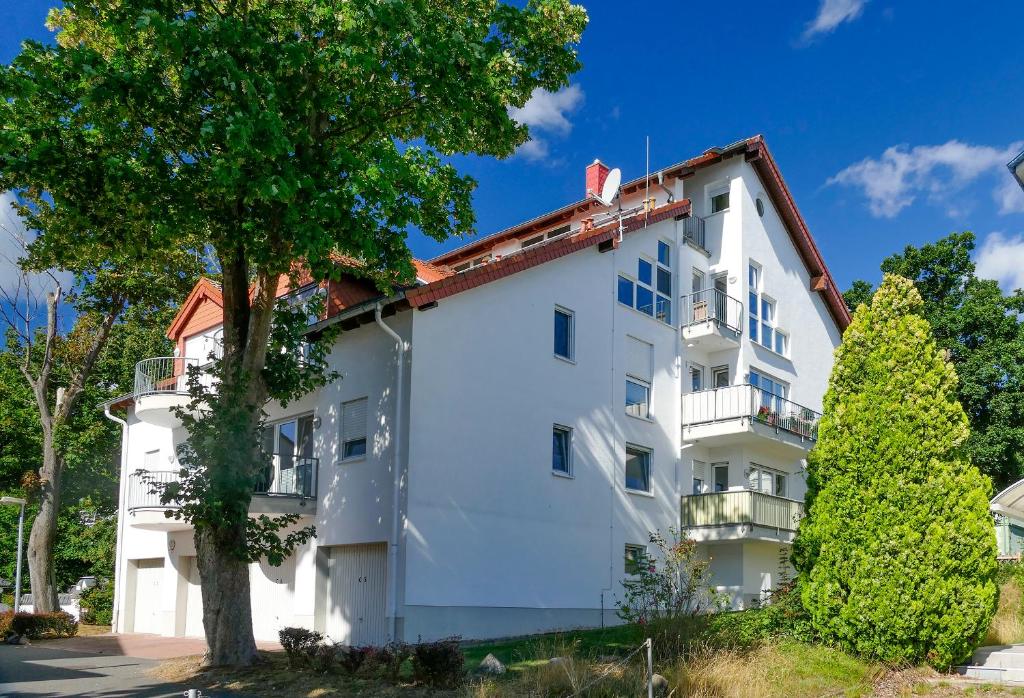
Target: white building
564,388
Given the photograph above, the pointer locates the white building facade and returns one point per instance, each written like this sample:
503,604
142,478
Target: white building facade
507,432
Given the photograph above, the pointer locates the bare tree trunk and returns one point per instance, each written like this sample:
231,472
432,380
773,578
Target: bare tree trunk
227,609
44,530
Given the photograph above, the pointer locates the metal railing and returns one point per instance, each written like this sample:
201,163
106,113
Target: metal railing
693,230
163,374
713,305
143,492
740,507
287,475
748,401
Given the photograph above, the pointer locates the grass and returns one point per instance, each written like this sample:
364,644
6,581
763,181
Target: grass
84,629
1008,624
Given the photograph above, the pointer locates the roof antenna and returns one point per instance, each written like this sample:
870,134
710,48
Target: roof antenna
647,182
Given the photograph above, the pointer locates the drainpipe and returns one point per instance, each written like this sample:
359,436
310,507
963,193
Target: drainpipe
121,512
396,485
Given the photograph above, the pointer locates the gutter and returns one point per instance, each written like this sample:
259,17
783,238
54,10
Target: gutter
121,512
397,471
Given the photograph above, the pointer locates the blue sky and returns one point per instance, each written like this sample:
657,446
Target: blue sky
891,122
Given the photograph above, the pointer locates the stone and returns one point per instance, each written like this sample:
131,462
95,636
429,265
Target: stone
557,660
491,665
660,685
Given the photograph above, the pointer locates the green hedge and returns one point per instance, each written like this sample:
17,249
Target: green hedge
36,626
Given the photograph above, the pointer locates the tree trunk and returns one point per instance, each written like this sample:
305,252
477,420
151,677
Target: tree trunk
44,530
227,611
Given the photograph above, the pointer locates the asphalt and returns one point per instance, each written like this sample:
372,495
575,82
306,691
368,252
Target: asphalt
107,666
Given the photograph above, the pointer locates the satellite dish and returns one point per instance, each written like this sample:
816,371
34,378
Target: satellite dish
611,187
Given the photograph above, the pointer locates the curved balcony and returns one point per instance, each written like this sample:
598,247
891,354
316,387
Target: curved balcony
161,386
287,487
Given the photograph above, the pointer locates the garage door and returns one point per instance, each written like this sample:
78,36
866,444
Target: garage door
149,575
193,602
356,605
273,592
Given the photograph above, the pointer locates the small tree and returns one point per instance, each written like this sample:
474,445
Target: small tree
896,556
671,584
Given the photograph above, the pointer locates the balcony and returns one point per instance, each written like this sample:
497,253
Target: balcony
693,232
745,413
288,487
161,385
740,515
712,320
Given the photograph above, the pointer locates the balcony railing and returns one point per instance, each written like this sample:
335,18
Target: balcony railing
163,374
693,230
748,401
286,476
740,507
713,305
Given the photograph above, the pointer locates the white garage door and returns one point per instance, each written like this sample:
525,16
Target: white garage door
356,603
148,577
193,602
272,592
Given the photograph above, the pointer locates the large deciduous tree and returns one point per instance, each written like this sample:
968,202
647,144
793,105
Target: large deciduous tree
274,133
896,556
983,330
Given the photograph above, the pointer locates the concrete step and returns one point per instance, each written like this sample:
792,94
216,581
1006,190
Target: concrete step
1001,656
992,674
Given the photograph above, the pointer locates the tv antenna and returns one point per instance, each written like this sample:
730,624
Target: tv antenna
610,190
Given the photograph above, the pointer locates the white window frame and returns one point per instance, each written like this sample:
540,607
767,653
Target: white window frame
646,385
572,334
652,287
693,368
569,449
703,488
715,467
714,191
650,468
366,433
774,474
756,323
627,560
717,371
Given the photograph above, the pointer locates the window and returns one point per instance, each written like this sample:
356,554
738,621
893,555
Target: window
759,205
625,291
664,254
638,397
696,378
353,429
720,377
773,392
697,281
651,293
719,200
638,469
699,475
290,445
767,480
533,241
564,334
465,266
762,315
635,554
720,473
561,450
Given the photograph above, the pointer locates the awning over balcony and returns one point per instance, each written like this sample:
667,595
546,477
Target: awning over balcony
1010,502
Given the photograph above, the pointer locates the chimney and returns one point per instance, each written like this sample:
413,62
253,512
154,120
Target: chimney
597,172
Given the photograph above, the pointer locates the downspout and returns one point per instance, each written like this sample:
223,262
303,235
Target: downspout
121,513
396,485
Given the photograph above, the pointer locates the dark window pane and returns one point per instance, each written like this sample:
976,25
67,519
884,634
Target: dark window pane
645,300
721,479
720,202
664,281
625,291
698,486
752,304
560,450
644,272
753,328
766,335
664,254
356,447
637,399
563,334
638,470
664,310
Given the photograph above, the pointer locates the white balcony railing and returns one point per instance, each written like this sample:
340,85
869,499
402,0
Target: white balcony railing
168,375
750,402
713,306
740,507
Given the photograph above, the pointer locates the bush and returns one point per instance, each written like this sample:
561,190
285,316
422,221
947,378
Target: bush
391,657
896,555
97,604
36,626
300,644
438,664
353,658
323,657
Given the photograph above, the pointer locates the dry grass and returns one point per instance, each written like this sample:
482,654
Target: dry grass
1008,624
85,630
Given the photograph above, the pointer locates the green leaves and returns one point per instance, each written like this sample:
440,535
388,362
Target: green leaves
897,552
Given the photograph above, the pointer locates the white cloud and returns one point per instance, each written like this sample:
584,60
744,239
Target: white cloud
1002,258
548,113
893,181
832,13
1009,195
